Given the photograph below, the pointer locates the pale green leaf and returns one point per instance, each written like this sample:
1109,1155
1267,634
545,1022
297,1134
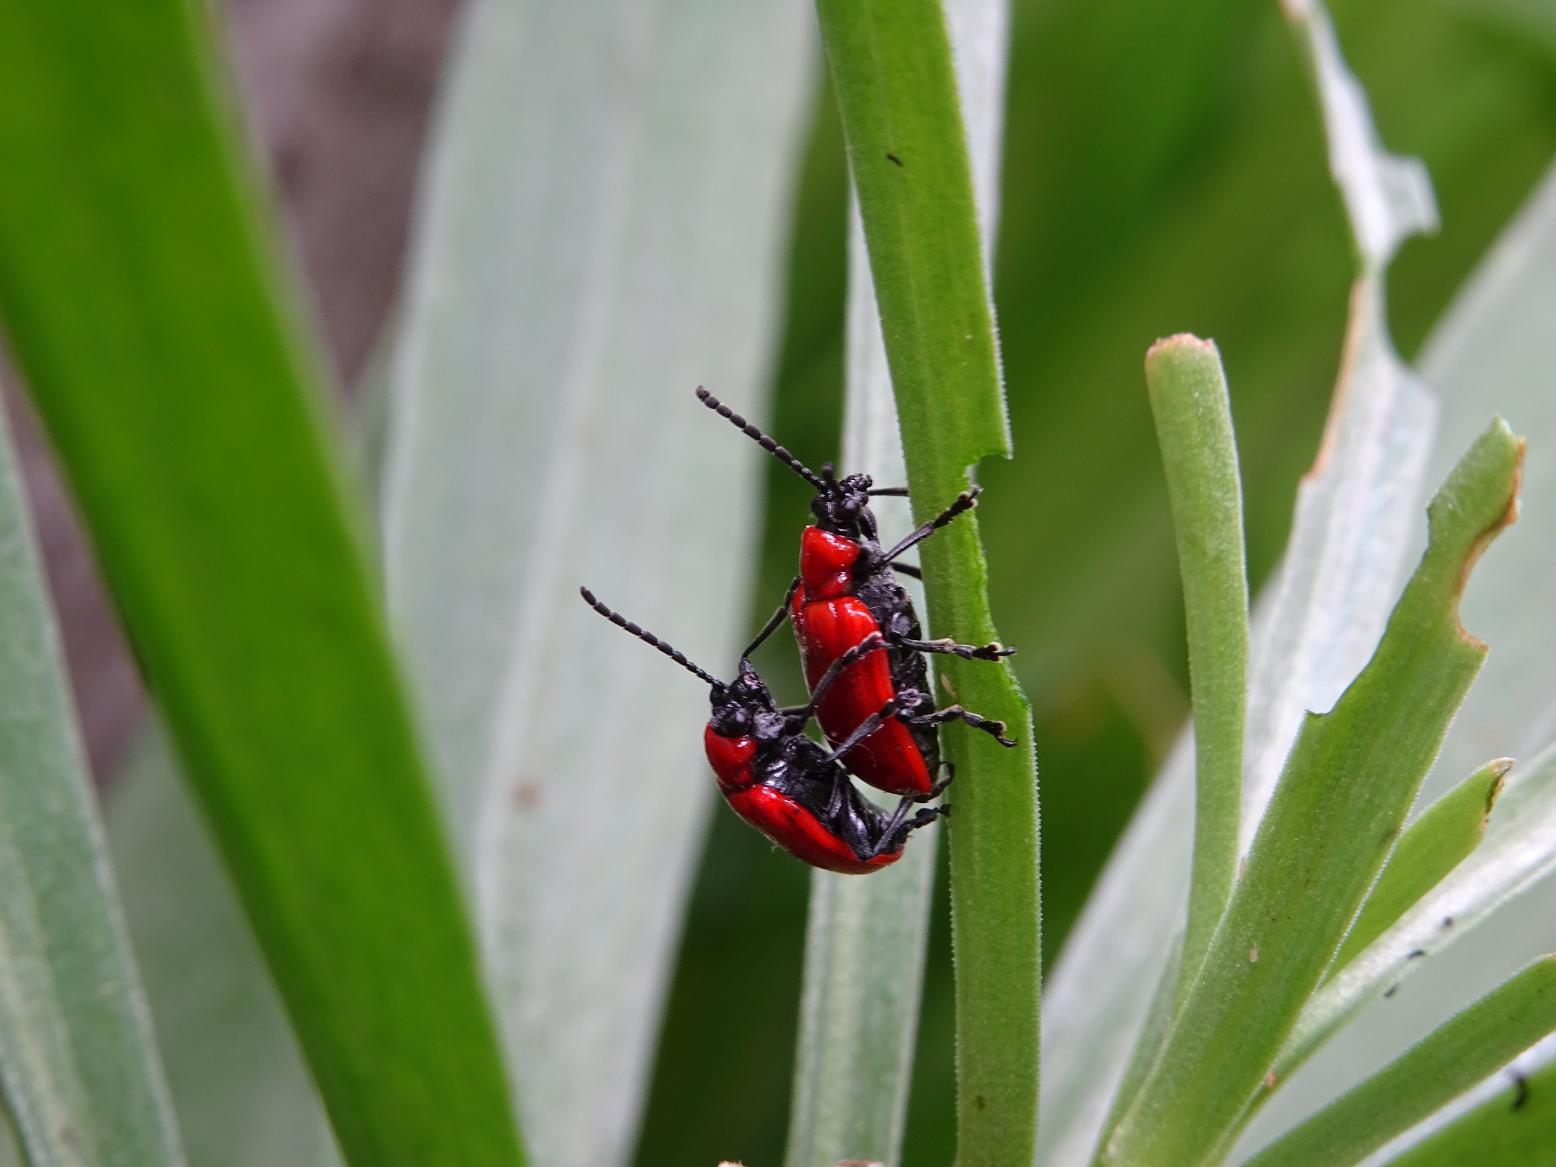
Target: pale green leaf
1436,843
79,1074
1337,810
1447,1062
1491,351
601,231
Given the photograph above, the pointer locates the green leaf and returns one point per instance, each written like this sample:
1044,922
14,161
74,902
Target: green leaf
891,69
1514,1126
1491,350
79,1075
1336,813
1437,842
1194,428
1314,626
137,287
601,231
1452,1059
864,946
1515,854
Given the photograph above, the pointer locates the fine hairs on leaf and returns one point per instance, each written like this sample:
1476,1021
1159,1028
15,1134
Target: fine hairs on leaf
891,69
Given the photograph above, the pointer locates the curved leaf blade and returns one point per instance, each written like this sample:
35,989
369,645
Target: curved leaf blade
1490,351
1314,626
1447,1062
1515,854
1340,805
1440,838
1512,1126
137,286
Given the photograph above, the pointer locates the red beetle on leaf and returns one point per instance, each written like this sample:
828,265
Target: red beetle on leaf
783,783
846,592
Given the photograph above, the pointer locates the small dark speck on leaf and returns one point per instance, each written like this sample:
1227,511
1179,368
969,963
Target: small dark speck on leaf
1415,953
1391,990
979,1101
526,796
1520,1090
892,158
1447,921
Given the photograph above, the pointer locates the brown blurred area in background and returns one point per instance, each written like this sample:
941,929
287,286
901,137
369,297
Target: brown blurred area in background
336,95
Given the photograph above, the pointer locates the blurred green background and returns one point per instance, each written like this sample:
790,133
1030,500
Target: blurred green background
1163,172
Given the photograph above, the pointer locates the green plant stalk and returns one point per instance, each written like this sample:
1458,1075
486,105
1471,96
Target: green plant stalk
1430,1074
1515,1127
1199,453
896,91
137,289
1437,842
1337,811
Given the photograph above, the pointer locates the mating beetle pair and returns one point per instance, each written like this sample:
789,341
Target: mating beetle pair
864,661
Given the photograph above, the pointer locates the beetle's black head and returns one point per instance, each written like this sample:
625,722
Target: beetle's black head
843,506
744,707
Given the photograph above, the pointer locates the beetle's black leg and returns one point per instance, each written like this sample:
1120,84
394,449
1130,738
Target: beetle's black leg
864,729
888,492
951,648
964,503
995,729
908,570
773,621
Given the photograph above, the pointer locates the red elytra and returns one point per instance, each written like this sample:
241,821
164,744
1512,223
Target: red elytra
846,591
782,783
829,619
782,818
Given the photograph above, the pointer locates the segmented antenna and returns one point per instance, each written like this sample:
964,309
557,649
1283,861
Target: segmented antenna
759,437
623,623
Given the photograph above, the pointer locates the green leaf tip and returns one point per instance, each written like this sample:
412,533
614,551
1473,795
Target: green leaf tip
1337,810
1477,502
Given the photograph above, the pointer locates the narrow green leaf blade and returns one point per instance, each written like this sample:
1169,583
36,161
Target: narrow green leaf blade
1194,429
1490,351
1437,842
79,1074
1314,626
1513,857
137,289
1514,1126
602,230
1449,1061
864,946
1338,809
892,72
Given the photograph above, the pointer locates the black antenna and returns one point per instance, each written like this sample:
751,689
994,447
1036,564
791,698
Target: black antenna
759,437
622,622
